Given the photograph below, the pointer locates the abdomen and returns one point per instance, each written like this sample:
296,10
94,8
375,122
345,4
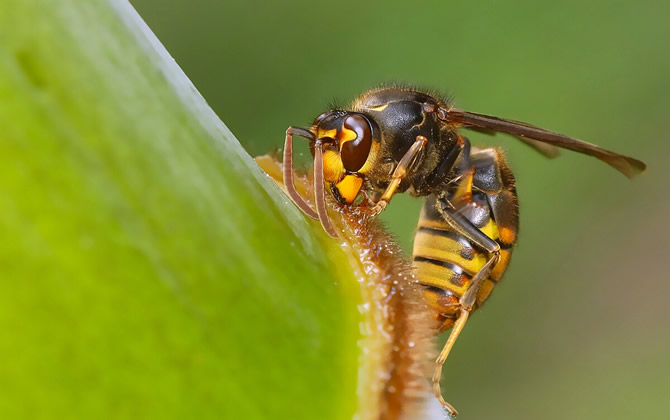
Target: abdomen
444,260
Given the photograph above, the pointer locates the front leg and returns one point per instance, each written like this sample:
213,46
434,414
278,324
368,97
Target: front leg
400,172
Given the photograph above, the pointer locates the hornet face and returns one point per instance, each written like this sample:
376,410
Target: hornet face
350,145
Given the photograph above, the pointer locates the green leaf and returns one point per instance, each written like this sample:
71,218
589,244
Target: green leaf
148,268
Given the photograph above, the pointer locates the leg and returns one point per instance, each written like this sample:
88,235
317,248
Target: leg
400,172
449,210
463,194
451,205
467,302
465,227
437,374
494,178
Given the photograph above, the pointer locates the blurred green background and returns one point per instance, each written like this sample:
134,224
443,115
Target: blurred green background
579,328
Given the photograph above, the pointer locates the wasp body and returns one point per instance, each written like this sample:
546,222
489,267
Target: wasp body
396,139
445,260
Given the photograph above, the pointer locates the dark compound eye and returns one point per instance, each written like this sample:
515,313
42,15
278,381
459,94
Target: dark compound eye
355,152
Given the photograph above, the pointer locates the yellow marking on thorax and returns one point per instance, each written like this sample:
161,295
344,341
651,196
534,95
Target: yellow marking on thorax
378,108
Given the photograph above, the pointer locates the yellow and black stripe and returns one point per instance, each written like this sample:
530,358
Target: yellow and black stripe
445,261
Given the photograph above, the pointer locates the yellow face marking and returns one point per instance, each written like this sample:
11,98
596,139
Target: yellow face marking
349,187
332,166
346,135
332,133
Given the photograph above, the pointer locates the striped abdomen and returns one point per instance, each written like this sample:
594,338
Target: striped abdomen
445,261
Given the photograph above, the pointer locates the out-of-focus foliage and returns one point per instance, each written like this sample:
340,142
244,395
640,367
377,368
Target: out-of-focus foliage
148,268
579,325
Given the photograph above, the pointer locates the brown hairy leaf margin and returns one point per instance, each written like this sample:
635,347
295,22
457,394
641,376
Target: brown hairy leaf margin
397,349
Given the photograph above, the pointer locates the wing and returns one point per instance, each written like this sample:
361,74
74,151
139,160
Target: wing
546,150
533,136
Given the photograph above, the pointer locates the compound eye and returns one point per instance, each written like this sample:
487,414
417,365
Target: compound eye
355,152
